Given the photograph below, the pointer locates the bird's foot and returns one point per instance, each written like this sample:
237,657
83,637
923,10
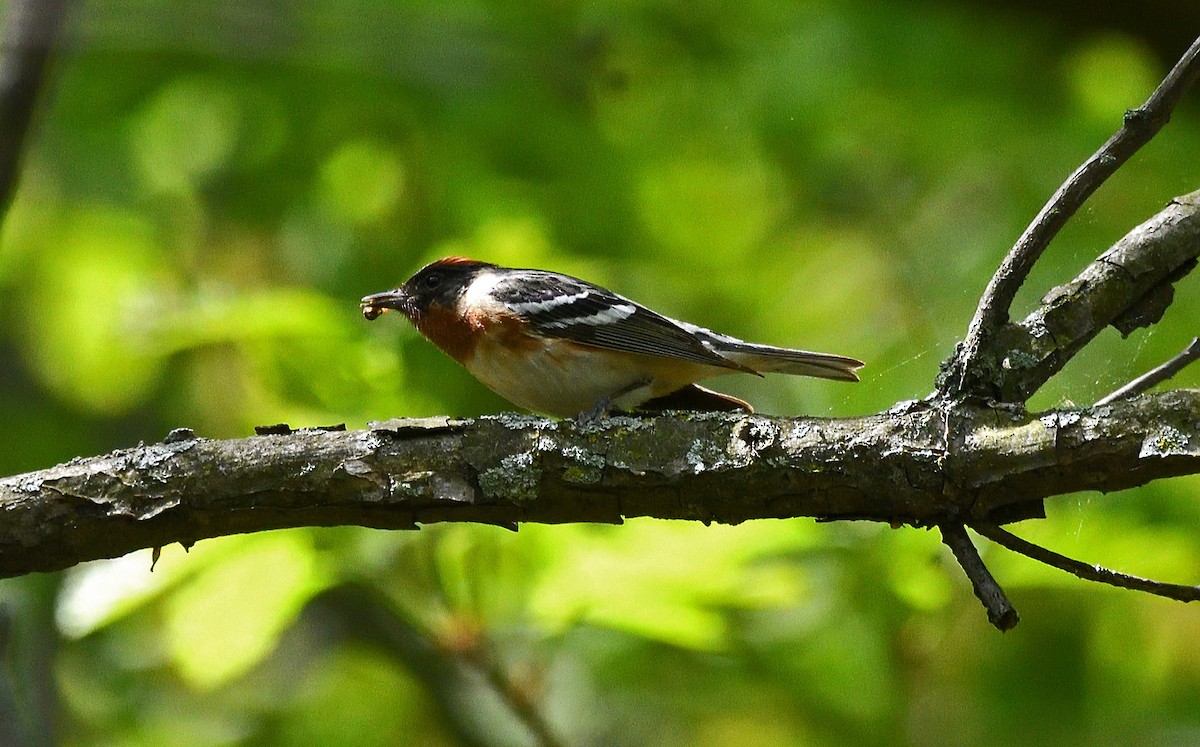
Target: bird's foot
604,405
595,412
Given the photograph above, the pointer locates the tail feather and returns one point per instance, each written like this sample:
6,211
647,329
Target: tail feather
768,359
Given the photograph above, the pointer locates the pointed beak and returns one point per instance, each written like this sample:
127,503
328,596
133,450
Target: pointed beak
377,303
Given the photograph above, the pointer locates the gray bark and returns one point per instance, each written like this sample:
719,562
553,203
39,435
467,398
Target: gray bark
893,467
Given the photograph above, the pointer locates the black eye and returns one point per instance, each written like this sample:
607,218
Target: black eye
433,280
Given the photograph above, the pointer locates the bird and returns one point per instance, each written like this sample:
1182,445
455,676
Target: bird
557,345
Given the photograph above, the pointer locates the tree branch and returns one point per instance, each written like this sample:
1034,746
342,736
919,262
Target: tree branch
1129,286
504,470
1156,375
1083,570
1000,611
1139,127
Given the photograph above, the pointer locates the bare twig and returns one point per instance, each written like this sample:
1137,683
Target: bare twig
1083,570
1155,375
1139,127
31,29
1000,611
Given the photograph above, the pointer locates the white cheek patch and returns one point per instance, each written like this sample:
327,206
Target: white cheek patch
611,315
479,292
539,307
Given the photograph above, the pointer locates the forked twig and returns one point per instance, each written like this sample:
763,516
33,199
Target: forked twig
1156,375
1139,127
1083,570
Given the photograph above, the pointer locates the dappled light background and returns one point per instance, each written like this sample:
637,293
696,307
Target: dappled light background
212,186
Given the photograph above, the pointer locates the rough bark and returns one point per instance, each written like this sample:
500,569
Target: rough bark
1129,286
893,467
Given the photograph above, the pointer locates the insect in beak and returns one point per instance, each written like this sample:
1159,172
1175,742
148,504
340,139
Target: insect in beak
377,303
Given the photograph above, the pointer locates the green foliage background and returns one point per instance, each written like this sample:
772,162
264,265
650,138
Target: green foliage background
212,186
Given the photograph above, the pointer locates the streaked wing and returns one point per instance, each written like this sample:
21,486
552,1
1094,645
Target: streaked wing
562,306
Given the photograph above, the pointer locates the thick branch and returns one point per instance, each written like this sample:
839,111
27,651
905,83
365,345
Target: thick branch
1128,286
889,467
1139,127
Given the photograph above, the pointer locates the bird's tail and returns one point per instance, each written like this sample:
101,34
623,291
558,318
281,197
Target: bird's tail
768,359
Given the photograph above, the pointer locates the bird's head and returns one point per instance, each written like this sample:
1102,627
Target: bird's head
437,284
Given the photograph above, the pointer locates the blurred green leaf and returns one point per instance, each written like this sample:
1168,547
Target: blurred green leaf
362,181
1110,74
186,133
359,698
226,618
668,582
88,317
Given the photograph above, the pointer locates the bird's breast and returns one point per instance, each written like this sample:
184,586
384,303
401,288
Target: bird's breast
563,378
459,335
551,375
